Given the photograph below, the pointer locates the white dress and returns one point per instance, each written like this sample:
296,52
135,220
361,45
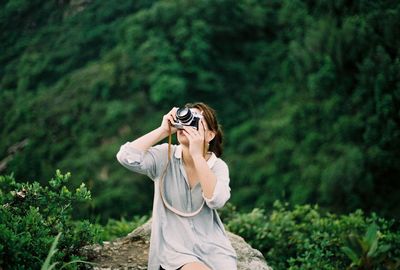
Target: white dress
175,240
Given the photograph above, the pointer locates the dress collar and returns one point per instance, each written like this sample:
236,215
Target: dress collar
210,162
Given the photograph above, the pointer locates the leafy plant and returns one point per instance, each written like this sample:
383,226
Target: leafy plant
118,228
304,237
312,114
32,214
53,250
365,251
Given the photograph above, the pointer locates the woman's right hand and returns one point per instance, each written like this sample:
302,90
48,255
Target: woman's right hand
168,120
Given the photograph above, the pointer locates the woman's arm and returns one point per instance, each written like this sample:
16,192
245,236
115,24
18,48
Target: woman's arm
214,182
207,178
141,156
146,141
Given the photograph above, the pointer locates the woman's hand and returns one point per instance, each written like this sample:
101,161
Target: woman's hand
168,120
196,139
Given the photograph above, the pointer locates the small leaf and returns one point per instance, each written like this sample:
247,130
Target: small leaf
355,244
384,248
351,254
372,234
53,265
372,249
53,250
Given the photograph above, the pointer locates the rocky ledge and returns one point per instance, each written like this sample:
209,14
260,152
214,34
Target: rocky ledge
131,252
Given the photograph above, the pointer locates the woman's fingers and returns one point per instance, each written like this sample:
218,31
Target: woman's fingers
169,120
193,133
196,140
189,131
173,112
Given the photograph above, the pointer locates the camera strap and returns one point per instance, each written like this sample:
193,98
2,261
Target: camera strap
166,204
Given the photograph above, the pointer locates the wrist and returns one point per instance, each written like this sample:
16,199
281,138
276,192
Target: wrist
198,158
163,133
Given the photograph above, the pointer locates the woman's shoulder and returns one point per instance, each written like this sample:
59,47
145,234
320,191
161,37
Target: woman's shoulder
220,164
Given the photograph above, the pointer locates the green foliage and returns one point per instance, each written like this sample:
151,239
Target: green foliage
308,94
31,215
53,250
365,252
46,265
119,228
305,238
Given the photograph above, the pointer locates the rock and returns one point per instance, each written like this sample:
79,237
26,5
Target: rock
131,252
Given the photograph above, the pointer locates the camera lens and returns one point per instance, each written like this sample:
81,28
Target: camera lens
184,115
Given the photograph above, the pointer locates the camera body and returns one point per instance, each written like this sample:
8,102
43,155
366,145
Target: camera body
187,117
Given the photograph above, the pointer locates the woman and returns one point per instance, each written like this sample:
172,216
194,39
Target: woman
191,182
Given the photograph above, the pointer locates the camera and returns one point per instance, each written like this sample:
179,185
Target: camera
187,117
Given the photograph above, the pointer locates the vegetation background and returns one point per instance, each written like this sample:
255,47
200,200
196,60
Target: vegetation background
308,93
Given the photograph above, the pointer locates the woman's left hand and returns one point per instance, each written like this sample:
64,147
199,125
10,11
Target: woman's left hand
196,139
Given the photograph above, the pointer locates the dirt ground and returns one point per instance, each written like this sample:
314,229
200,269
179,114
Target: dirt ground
125,253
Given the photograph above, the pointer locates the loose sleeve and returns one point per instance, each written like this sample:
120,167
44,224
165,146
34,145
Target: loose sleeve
222,191
151,162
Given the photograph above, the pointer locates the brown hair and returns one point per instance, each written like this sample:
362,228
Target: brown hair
211,119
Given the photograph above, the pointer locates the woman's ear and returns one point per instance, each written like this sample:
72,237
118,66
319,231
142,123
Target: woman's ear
210,135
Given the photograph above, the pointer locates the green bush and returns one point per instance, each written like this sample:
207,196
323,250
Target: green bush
32,215
365,251
304,238
47,265
118,228
307,92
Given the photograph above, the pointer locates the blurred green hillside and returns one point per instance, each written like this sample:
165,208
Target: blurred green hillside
308,93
